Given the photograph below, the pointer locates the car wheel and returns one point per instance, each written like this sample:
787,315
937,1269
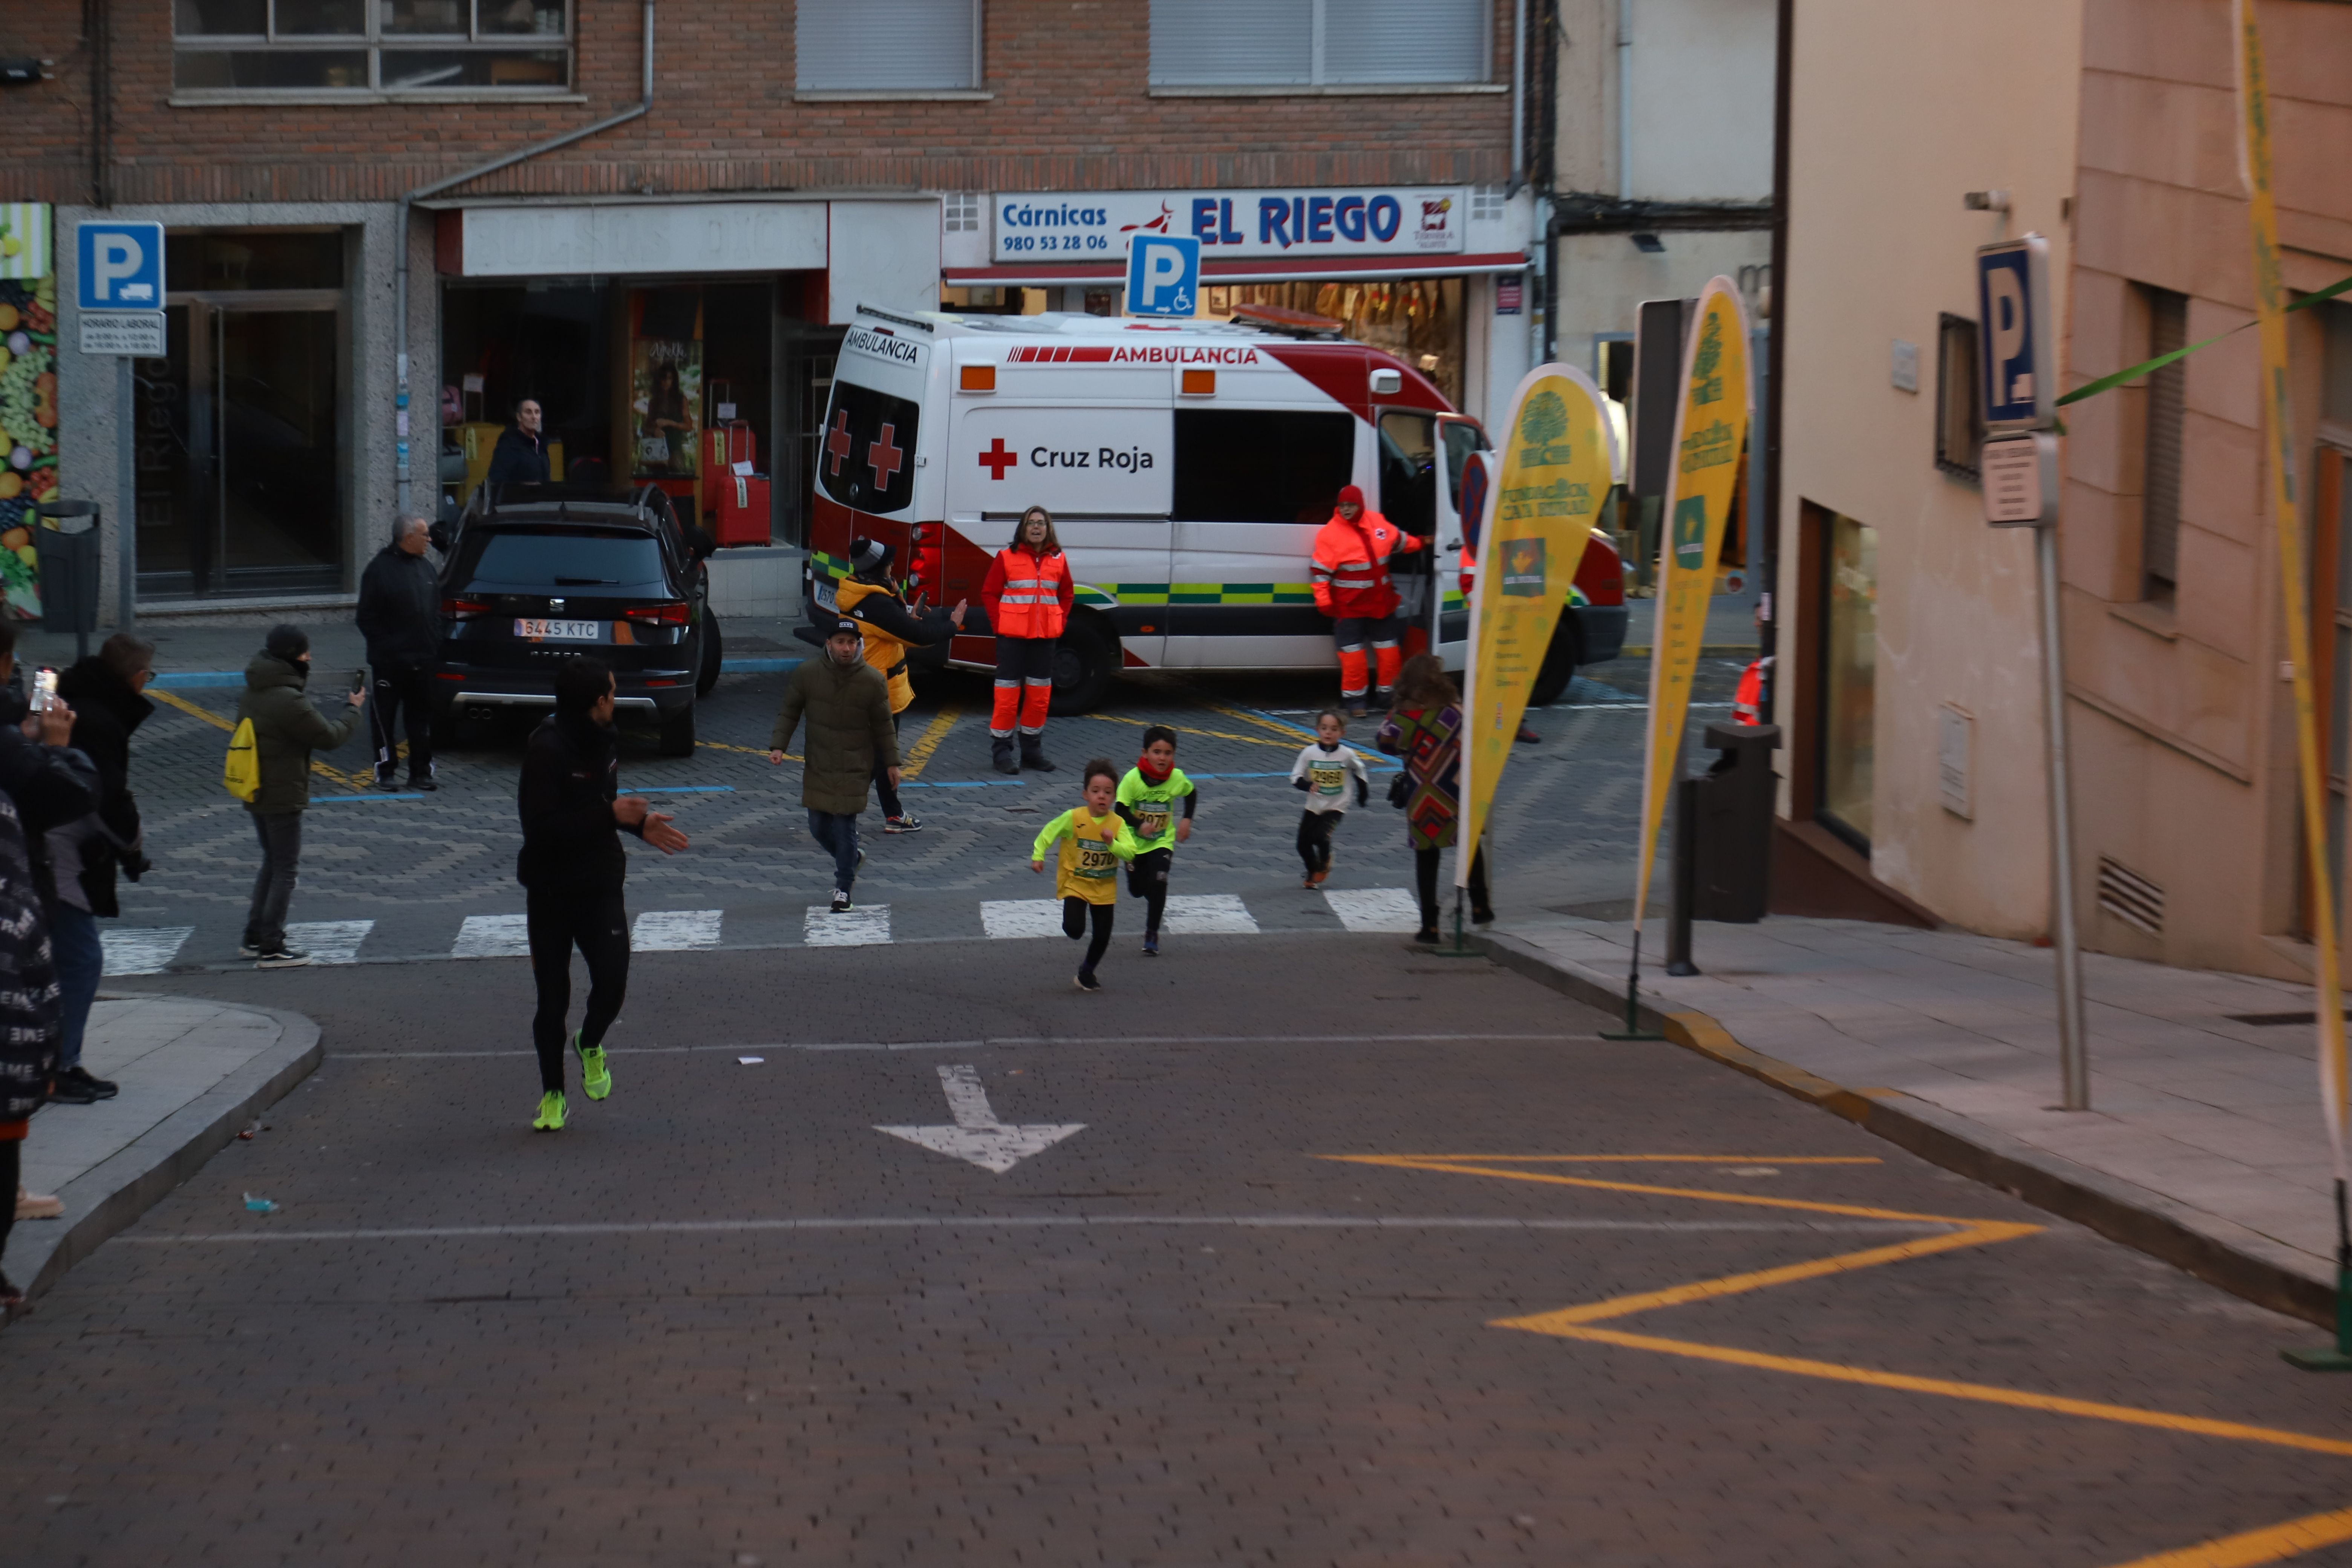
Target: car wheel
677,733
713,652
1086,662
1559,665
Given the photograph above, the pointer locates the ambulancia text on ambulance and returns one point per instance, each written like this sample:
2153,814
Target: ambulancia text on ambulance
1187,465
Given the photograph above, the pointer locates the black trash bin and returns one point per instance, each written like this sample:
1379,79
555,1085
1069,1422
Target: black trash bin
1723,837
66,547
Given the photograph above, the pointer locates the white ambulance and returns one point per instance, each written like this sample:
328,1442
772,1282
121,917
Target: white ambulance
1188,466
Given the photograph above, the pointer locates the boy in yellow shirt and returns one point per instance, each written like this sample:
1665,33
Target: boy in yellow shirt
1094,839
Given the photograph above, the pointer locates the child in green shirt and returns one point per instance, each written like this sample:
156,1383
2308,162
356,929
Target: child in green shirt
1094,840
1147,797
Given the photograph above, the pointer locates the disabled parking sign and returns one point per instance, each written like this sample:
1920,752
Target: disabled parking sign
1164,275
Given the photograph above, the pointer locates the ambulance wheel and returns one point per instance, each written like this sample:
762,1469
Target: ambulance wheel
1559,665
712,653
1086,662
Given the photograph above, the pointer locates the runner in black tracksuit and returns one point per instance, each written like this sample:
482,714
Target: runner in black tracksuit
570,867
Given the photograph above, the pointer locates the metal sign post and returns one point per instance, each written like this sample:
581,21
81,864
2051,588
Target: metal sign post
2020,469
119,287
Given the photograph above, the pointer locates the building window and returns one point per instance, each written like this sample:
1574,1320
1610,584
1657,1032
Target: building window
369,46
962,212
1959,411
1848,680
1319,43
887,46
2167,329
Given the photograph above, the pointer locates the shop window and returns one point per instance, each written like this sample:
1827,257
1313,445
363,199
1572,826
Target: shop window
2168,329
1235,465
1959,411
1319,43
933,46
1415,319
1848,690
222,262
365,47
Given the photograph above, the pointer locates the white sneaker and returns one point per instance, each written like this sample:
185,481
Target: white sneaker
38,1205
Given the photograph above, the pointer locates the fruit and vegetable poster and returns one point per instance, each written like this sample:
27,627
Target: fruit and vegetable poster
28,395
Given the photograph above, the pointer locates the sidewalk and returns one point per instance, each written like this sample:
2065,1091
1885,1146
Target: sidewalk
2204,1143
193,1075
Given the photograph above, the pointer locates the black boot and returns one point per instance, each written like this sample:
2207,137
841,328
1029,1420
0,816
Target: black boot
1000,748
1033,753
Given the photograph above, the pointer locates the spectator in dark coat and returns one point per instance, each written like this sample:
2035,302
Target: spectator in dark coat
400,615
521,456
286,730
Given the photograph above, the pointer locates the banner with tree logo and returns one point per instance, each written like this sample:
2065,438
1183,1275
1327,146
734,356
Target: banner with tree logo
1556,461
1710,433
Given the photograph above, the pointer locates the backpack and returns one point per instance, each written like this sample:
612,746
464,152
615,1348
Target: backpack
241,771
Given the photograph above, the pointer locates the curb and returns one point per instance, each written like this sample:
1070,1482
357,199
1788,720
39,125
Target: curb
2242,1261
111,1196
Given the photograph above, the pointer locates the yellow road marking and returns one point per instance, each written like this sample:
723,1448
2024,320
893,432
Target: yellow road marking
1189,730
2272,1543
1656,1159
928,741
1756,1200
355,781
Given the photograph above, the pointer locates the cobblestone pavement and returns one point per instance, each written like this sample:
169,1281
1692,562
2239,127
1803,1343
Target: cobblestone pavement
415,870
1289,1289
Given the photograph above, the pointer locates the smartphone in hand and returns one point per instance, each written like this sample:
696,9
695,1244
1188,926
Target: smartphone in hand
359,681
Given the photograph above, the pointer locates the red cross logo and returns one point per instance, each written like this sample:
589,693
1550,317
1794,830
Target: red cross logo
997,459
836,441
884,458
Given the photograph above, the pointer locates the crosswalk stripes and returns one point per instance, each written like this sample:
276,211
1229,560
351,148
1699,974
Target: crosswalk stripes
675,931
328,941
1375,909
491,936
143,950
1016,918
1208,915
868,925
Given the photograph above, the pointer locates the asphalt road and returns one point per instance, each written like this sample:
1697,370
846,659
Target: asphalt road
1348,1262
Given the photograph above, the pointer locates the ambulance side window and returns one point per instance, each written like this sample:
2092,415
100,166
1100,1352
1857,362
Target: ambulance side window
1248,465
1409,470
866,453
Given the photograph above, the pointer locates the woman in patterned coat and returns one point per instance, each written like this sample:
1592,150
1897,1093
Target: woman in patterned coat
1424,730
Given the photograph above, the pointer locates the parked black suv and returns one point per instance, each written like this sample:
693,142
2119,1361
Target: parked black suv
539,571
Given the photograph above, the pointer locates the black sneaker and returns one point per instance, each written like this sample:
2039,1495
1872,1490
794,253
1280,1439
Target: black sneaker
422,783
248,949
97,1086
1151,947
64,1090
387,785
1087,980
282,957
841,905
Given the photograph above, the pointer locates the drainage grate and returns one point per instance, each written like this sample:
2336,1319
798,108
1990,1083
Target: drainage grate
2131,898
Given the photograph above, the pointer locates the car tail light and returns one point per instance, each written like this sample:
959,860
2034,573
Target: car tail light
672,615
464,609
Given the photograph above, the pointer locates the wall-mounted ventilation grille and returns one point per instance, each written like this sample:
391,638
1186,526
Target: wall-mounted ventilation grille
2130,897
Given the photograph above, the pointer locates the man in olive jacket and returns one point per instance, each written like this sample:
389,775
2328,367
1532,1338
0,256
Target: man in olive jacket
849,733
286,730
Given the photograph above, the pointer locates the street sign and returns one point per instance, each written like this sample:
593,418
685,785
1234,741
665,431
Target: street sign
2018,348
2020,479
120,288
1164,275
138,333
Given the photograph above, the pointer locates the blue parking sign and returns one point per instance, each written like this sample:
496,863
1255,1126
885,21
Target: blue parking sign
122,266
1164,275
2016,347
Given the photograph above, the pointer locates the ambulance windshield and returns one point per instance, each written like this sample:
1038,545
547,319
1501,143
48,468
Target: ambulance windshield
865,456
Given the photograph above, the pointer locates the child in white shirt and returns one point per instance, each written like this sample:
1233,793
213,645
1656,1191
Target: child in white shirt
1322,772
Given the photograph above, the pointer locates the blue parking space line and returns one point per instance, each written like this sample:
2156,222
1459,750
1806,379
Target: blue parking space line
682,789
339,799
183,679
748,665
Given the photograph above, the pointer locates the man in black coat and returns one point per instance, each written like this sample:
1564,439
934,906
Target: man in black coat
84,854
400,616
521,456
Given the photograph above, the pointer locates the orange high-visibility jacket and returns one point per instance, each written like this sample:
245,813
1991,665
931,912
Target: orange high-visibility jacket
1027,594
1350,568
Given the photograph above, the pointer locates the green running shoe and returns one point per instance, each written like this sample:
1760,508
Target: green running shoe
595,1077
550,1112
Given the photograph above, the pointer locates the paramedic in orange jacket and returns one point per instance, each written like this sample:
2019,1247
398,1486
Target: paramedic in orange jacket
1027,593
1350,575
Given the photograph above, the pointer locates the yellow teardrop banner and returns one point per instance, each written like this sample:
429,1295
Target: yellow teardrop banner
1556,461
1710,432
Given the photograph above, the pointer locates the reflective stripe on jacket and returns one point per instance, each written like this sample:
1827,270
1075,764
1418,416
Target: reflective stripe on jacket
1034,591
1350,568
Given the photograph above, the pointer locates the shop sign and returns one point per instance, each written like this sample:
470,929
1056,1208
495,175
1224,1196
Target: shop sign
1099,226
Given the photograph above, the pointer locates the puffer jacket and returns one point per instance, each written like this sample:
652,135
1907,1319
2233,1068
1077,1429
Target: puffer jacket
28,979
286,730
848,712
107,712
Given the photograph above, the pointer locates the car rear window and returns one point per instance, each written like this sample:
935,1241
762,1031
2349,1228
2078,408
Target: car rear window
542,559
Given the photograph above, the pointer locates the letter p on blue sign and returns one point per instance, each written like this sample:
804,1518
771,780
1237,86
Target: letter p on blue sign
120,266
1164,275
2017,369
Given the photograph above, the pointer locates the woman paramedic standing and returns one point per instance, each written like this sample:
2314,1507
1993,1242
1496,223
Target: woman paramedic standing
1027,593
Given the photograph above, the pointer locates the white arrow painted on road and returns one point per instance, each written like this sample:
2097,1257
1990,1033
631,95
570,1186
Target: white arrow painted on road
977,1135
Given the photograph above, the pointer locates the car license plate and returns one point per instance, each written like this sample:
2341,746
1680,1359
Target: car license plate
825,595
560,631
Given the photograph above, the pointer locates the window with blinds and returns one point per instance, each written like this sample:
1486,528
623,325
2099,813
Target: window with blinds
2167,329
887,46
1320,43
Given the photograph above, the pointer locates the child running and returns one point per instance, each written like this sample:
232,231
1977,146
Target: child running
1145,797
1094,840
1321,770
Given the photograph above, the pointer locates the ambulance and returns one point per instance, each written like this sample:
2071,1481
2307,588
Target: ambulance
1188,466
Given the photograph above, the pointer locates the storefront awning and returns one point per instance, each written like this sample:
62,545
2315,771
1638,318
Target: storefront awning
1266,269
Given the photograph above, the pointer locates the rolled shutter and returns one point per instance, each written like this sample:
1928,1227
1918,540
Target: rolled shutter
1404,41
909,45
1233,43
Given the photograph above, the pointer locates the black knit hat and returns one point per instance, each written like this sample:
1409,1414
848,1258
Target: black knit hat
867,556
287,642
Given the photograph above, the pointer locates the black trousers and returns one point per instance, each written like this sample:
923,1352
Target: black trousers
1147,878
1424,873
11,1155
882,790
280,833
1315,838
599,928
1074,926
401,691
